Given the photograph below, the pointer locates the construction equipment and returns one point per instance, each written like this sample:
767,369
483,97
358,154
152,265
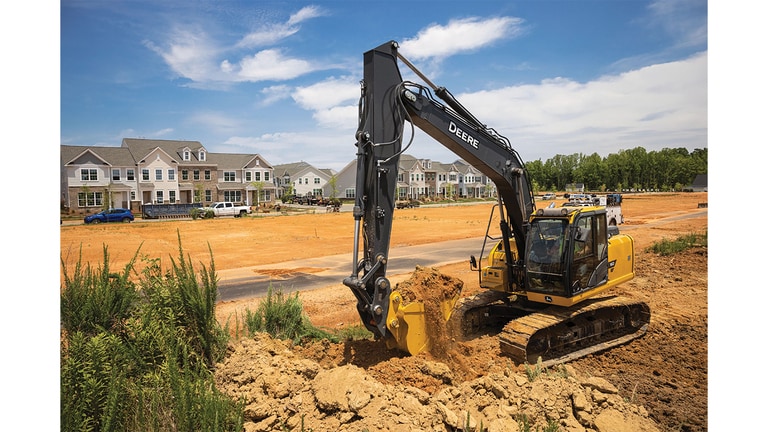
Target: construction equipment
543,275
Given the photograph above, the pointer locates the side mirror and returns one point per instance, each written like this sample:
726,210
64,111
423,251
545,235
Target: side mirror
472,262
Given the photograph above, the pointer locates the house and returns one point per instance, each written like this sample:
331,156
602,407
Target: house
699,183
424,179
301,178
147,171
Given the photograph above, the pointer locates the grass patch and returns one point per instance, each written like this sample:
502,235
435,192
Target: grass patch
282,316
667,247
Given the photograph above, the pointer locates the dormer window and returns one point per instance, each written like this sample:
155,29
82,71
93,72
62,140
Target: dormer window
201,155
187,155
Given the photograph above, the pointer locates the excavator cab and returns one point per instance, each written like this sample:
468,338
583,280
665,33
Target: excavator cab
568,255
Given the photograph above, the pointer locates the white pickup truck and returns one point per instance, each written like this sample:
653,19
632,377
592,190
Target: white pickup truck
229,209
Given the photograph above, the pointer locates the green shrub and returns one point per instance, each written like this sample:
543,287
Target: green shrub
97,300
142,359
669,247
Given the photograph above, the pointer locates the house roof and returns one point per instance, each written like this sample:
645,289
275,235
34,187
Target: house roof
140,148
112,156
700,180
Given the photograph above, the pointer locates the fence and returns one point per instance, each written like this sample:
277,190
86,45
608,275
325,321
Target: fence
167,211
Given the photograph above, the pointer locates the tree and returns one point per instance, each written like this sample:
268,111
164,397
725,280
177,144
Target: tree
259,185
333,184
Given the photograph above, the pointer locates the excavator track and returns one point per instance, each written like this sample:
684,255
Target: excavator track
556,334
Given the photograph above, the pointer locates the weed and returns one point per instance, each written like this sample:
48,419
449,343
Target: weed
282,316
141,359
666,247
533,373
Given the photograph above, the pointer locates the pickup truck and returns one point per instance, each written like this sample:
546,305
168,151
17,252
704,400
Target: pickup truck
229,209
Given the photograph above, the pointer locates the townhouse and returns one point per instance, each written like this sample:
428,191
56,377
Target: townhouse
301,179
149,171
143,171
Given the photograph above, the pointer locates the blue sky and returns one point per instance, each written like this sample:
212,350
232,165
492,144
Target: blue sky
282,78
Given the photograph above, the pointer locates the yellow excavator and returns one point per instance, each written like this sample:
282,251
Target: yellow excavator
545,277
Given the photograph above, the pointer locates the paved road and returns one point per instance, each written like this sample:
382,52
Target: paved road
323,271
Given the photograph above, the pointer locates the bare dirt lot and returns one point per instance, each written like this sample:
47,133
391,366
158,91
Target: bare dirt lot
657,382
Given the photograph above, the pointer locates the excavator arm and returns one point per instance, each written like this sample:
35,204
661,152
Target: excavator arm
387,105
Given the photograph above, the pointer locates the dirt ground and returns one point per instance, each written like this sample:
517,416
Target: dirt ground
657,382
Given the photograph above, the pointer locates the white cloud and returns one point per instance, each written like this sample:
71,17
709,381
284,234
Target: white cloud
307,12
272,33
162,132
275,94
269,65
214,121
190,54
328,93
320,148
658,106
333,102
459,36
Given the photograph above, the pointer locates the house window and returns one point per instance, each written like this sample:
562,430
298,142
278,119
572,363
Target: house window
247,176
133,195
349,193
207,174
130,174
159,197
90,199
196,175
172,196
116,174
233,196
145,174
88,175
257,176
171,174
186,155
184,174
158,174
229,176
201,155
208,195
266,176
317,180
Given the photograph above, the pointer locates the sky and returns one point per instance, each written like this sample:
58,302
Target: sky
282,79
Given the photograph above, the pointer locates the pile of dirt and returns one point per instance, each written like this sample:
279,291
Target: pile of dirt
284,390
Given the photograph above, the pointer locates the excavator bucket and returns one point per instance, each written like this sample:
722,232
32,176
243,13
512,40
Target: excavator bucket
419,309
415,326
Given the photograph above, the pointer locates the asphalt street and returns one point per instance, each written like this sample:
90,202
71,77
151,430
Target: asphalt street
313,273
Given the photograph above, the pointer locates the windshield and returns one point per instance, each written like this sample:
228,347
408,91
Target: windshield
544,261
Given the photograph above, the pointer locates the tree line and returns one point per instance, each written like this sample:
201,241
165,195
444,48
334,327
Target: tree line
670,169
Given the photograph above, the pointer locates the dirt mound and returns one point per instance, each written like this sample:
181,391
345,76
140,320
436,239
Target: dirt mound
283,389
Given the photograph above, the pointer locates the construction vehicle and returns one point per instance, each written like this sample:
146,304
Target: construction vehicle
547,274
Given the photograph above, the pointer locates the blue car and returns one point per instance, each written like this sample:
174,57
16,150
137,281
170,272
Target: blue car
112,215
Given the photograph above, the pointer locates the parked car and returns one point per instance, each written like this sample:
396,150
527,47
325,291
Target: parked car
111,215
549,196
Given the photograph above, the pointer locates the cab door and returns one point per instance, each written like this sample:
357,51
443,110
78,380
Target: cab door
589,252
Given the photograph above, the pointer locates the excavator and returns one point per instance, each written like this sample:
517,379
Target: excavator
546,276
